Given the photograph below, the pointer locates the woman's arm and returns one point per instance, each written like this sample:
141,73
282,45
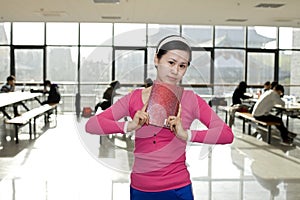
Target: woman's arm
107,122
218,132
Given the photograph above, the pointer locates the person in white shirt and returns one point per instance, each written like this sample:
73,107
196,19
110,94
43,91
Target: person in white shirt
262,108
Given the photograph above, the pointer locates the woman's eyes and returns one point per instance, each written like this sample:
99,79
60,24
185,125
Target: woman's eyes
172,63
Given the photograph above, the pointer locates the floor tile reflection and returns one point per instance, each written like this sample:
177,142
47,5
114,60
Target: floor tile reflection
66,163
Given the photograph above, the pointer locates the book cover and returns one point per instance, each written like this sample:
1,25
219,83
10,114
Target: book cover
163,102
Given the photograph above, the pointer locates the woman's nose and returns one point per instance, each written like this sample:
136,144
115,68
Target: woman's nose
174,69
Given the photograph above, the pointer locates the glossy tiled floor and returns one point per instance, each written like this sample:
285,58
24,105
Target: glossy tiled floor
66,163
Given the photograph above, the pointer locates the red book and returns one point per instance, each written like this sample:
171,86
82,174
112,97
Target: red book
163,102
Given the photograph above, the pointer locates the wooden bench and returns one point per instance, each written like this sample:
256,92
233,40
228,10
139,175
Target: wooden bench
248,118
27,117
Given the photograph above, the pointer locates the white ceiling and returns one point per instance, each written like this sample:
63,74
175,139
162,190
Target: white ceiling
204,12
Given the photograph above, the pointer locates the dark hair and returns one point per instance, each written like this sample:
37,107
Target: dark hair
273,84
279,88
115,84
47,82
242,86
175,42
10,78
267,83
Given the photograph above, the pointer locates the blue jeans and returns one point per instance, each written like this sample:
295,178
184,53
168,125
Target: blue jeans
183,193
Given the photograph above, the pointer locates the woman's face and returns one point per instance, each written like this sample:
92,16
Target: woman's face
172,66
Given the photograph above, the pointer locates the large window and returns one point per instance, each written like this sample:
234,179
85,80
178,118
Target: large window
260,68
130,66
289,38
62,63
151,69
289,71
227,36
96,68
157,31
91,55
4,63
262,37
29,65
62,33
198,36
96,64
129,34
4,33
28,33
229,66
4,51
199,70
94,34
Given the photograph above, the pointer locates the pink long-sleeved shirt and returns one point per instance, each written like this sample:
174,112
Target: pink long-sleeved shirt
159,156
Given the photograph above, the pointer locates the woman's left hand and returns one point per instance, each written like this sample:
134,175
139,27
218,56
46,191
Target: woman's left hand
176,126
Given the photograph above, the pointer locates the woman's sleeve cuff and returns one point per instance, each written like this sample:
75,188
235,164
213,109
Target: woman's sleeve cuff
125,126
189,133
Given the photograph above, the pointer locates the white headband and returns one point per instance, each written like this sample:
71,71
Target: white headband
172,38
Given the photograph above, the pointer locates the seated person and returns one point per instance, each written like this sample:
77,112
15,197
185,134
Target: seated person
9,86
239,93
267,86
54,94
264,105
273,84
52,91
108,96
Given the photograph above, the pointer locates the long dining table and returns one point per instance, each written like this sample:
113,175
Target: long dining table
18,97
289,110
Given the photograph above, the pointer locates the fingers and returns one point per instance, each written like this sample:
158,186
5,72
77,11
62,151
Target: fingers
179,111
145,106
143,118
171,122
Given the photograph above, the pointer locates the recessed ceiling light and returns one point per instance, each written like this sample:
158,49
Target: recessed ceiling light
236,20
51,13
111,17
107,1
269,5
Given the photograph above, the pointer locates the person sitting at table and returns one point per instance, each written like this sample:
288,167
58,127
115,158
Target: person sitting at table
9,86
273,84
53,93
267,86
238,95
108,96
263,107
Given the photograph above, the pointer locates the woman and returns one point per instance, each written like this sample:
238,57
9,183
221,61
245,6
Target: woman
159,169
239,93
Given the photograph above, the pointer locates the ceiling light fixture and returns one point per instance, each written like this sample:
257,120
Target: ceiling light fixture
236,20
269,5
106,1
111,17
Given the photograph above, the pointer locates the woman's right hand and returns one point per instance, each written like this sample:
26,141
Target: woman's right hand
140,118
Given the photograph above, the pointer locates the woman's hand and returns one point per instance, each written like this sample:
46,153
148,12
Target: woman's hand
140,118
176,126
